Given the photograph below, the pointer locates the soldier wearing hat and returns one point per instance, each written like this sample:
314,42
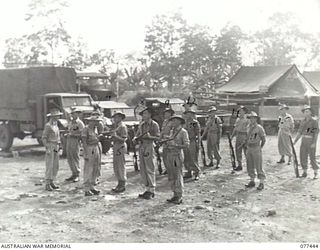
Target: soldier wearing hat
256,139
51,141
178,142
91,154
75,127
191,153
213,130
286,127
308,130
165,133
148,132
240,132
119,137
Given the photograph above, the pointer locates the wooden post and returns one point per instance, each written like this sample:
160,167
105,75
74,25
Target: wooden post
262,106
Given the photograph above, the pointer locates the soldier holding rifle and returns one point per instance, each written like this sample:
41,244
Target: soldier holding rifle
308,130
119,137
75,128
147,133
176,143
240,132
192,151
213,130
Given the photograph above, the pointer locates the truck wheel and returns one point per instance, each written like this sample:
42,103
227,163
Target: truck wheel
6,137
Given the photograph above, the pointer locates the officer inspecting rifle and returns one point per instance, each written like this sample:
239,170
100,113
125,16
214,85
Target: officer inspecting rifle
75,127
147,133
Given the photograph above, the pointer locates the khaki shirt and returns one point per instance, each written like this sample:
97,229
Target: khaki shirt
121,131
286,123
255,135
90,136
75,127
166,127
51,132
193,128
152,127
181,138
241,124
309,127
214,125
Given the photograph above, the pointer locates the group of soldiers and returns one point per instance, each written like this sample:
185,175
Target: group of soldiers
181,139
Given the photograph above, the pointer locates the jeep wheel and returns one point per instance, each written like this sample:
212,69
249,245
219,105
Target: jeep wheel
6,137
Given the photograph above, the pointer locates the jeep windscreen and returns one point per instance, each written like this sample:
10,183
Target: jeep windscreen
70,101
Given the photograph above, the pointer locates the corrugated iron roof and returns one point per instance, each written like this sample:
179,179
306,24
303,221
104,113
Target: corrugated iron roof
248,79
314,78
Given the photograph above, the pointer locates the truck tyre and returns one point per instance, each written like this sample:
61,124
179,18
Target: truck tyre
6,137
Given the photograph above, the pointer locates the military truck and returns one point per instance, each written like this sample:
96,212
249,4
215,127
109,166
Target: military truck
28,94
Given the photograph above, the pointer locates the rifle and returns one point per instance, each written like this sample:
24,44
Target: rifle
295,159
203,154
157,151
135,156
232,155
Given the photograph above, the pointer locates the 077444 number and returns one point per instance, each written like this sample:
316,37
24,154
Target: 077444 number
306,245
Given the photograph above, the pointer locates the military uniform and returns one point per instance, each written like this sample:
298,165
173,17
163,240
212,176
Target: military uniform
175,161
165,132
240,130
75,128
51,135
255,135
192,152
286,126
309,129
119,151
146,152
213,138
92,156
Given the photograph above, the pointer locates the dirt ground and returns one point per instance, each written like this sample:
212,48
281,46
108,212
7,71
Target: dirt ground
216,209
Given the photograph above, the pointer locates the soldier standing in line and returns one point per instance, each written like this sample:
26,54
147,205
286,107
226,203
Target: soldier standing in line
147,133
177,143
192,151
51,141
240,132
256,139
91,154
213,130
75,128
286,127
165,133
308,130
119,137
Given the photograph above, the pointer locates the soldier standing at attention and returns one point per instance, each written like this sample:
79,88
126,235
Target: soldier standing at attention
213,130
51,141
240,132
286,127
256,139
308,130
178,142
165,133
119,137
192,151
149,132
91,154
75,128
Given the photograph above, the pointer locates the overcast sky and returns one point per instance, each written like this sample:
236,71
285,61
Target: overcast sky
120,24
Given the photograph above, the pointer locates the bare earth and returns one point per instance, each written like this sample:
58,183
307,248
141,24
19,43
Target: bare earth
216,209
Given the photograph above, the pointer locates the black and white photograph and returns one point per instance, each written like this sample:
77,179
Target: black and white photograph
159,121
